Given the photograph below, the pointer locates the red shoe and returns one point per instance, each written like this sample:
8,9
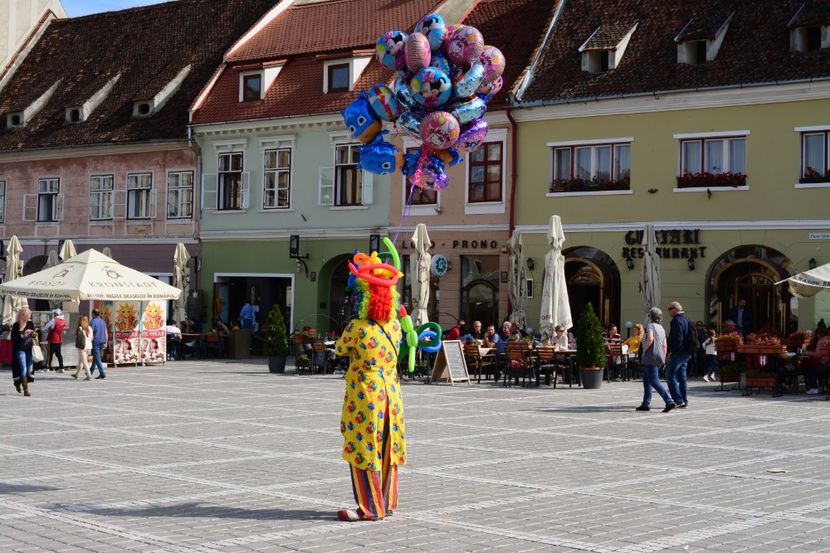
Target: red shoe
347,515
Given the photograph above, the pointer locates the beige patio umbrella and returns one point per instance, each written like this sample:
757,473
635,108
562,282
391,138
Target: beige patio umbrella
650,286
106,251
517,281
181,280
53,261
809,283
556,304
14,270
419,266
67,250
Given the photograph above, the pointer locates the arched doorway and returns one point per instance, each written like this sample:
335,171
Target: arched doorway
480,289
750,273
593,277
334,308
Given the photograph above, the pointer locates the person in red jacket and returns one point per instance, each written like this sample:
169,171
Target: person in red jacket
54,329
455,332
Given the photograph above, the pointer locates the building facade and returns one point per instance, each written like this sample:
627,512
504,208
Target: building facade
21,23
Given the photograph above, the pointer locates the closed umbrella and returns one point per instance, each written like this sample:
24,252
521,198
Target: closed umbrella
517,284
14,270
650,287
67,250
419,274
107,252
556,305
181,280
53,261
809,283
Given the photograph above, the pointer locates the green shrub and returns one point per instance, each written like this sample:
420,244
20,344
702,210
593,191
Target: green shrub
590,344
276,338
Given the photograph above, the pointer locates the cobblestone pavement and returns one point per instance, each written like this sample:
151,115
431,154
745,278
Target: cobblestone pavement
217,456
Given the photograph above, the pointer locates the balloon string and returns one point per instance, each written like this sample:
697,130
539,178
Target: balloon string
405,214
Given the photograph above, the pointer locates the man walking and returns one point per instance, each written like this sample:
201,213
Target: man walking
679,354
99,340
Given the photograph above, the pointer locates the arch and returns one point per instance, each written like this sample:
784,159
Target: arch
750,272
332,286
593,276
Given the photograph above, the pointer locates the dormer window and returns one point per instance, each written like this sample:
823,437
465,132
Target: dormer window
604,49
14,120
142,109
251,87
338,77
341,74
809,28
700,39
149,102
73,115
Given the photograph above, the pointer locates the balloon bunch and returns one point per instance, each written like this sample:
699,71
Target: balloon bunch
446,75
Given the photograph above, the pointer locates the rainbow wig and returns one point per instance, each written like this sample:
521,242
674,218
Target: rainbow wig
373,284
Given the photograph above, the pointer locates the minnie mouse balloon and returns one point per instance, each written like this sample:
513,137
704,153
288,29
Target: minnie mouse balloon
432,26
439,130
493,61
417,52
431,87
390,50
383,102
465,46
466,83
472,135
469,110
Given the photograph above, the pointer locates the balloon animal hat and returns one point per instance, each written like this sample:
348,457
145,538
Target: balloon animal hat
374,283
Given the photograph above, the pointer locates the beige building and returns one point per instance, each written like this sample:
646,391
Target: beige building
21,21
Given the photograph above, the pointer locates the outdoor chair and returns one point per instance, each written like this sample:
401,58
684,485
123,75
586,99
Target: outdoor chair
302,359
547,365
617,362
319,357
486,364
518,363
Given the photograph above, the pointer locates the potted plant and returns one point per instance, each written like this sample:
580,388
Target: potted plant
590,349
276,341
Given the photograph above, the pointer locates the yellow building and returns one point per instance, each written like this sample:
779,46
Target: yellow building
709,123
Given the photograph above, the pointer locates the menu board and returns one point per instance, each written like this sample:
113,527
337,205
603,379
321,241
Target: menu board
450,363
137,329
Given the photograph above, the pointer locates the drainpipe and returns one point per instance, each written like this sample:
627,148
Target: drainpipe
513,168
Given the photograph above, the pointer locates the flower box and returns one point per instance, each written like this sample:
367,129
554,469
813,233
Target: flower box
711,180
764,349
813,176
588,185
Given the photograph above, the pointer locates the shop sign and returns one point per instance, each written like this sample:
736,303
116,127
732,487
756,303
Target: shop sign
820,236
439,265
463,245
673,244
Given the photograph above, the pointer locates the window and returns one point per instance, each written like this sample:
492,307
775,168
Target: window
700,52
339,77
2,201
485,179
251,87
15,120
812,37
100,197
48,203
276,193
180,195
416,196
74,115
712,162
230,181
139,195
348,179
815,164
591,167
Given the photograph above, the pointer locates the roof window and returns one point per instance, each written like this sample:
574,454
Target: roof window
73,115
14,120
341,74
18,119
604,49
147,107
810,27
700,40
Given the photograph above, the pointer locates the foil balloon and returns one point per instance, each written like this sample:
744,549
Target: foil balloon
389,50
429,174
361,120
404,94
449,157
432,26
488,90
418,52
410,123
493,61
466,83
445,44
383,102
431,87
465,46
465,112
439,130
440,61
472,135
380,157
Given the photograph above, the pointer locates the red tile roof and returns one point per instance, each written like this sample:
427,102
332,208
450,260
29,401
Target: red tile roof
704,27
811,13
756,49
608,37
147,46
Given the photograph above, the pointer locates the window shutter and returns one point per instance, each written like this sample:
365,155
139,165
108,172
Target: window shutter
59,207
119,204
210,184
30,207
368,188
326,186
153,195
245,190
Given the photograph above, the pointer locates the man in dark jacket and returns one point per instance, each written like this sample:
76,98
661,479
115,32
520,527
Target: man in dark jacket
679,354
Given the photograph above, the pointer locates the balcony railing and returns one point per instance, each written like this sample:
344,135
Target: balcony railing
589,185
711,180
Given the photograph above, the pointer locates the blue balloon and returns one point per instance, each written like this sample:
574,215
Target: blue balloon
440,61
434,28
411,123
361,120
466,83
380,157
404,94
468,111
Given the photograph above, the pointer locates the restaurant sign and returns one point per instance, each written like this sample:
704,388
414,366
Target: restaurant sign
672,244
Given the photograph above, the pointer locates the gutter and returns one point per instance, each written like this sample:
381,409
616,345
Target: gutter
513,168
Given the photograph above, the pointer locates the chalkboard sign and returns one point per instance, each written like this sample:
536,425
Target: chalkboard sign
450,363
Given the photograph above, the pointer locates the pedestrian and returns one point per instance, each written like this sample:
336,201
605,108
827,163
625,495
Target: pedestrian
99,340
682,344
710,362
54,335
23,339
83,343
457,331
654,348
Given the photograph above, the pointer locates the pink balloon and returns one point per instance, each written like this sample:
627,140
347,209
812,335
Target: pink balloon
491,89
465,46
439,130
493,61
418,52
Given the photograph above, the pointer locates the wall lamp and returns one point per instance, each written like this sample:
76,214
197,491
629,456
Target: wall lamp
691,263
629,263
531,264
812,263
374,243
294,252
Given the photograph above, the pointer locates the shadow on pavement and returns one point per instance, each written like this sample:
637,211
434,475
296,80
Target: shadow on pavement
196,510
23,488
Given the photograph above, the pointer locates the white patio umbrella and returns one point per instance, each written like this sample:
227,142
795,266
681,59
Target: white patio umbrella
181,280
53,261
556,305
419,274
650,286
67,250
14,270
809,283
517,283
106,251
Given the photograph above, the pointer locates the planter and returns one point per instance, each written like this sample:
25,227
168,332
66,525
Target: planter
591,377
276,364
761,382
762,349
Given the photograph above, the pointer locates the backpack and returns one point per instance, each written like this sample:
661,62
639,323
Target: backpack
692,344
80,338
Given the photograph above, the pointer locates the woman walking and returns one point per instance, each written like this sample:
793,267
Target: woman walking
23,333
654,356
83,342
711,356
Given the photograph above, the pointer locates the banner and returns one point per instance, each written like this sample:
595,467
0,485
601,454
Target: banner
136,336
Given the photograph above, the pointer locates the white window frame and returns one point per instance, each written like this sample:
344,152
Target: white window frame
277,171
100,194
243,182
57,202
139,175
242,76
177,191
337,185
483,208
572,145
417,210
703,138
2,202
356,67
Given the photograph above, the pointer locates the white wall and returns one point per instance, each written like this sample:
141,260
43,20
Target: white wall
17,19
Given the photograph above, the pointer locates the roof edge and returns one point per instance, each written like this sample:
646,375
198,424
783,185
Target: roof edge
526,77
271,15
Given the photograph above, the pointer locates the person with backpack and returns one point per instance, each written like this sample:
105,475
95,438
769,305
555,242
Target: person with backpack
83,343
54,335
682,345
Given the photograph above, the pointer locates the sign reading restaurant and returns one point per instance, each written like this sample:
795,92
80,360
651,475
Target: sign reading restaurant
673,244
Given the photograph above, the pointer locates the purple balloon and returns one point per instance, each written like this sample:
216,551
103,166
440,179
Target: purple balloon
472,135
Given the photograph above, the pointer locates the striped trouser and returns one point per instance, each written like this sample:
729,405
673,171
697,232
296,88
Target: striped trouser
376,492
